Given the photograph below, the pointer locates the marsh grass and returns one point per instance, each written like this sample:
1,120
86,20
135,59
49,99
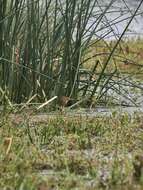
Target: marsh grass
51,49
62,153
43,44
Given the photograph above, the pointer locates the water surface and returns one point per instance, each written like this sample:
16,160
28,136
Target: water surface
118,16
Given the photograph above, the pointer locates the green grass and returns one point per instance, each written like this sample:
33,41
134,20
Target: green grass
73,153
43,51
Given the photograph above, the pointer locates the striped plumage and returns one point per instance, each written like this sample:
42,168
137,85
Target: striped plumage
63,100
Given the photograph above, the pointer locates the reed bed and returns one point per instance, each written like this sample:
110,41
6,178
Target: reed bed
44,45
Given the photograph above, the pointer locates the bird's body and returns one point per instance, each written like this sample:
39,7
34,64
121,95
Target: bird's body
63,100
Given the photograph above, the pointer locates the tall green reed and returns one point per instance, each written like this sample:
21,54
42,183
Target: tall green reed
43,43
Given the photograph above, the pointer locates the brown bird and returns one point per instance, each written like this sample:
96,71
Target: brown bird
63,100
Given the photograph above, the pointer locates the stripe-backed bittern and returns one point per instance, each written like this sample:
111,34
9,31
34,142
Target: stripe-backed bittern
63,101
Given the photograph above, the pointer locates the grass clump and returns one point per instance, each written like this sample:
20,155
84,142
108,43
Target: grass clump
65,154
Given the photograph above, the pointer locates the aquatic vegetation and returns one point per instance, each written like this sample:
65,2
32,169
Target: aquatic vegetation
72,153
46,46
51,55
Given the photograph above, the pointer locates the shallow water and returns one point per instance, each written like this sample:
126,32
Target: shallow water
118,16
